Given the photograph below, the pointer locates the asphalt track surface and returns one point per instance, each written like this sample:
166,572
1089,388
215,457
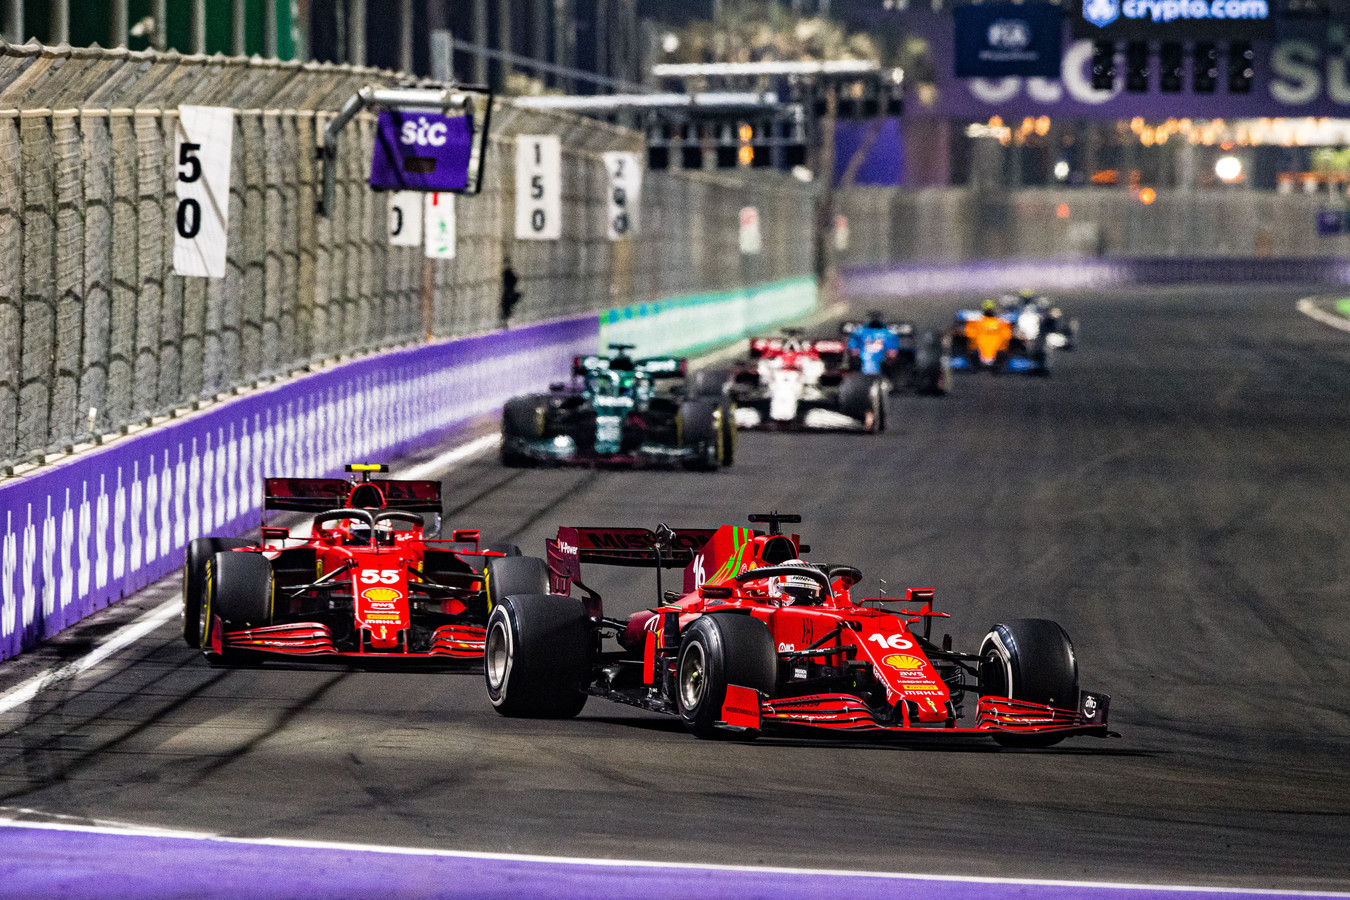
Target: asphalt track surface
1175,495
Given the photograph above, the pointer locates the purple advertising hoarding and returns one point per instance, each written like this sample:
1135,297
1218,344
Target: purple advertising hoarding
78,535
1298,74
421,152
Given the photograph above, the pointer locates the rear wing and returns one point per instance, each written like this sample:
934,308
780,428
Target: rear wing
654,367
320,494
773,346
619,547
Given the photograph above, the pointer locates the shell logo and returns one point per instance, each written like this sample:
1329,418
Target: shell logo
380,594
903,662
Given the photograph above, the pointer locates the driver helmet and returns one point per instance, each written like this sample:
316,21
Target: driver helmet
990,308
795,589
1043,303
875,320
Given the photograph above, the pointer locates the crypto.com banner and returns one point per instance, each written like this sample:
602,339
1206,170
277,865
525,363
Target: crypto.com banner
1296,75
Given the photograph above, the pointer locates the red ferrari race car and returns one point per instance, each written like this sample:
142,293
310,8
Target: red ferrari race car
759,638
359,580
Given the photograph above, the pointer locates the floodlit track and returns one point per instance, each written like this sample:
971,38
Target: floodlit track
1174,495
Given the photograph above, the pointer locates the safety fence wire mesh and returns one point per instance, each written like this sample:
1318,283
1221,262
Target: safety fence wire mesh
97,334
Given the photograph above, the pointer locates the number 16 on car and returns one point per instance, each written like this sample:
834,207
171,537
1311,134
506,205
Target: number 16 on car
201,159
538,187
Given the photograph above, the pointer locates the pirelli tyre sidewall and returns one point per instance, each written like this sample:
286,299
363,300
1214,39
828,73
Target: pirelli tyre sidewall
538,656
196,572
1032,660
717,650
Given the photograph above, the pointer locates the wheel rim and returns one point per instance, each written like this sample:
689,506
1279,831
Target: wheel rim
693,676
497,655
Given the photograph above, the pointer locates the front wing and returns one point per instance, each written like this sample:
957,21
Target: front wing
314,639
994,715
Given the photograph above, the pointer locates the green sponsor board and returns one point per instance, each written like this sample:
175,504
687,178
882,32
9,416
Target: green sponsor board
686,326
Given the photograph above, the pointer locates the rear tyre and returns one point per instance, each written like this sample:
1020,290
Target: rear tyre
510,575
239,594
710,383
701,432
538,656
930,368
196,571
1032,660
861,398
715,651
522,420
728,411
480,563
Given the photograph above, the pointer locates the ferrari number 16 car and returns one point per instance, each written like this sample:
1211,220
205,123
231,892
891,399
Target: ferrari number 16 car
759,638
363,583
620,411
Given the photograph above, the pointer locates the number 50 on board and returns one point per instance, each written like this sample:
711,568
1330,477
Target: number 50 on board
201,161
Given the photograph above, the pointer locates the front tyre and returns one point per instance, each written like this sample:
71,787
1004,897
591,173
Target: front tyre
1032,660
715,651
196,573
538,656
239,595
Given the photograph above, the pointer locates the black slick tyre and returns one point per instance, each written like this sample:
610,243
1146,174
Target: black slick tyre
728,423
701,432
1032,660
239,594
509,575
196,571
538,656
710,383
861,398
522,420
715,651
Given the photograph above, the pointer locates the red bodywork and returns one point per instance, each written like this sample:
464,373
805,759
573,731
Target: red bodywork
345,590
872,670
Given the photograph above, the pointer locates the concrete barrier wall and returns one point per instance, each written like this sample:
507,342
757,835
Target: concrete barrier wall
689,325
75,537
79,535
959,224
989,278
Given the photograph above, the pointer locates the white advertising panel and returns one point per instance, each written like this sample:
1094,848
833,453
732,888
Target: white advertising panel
625,193
201,157
538,187
405,218
440,226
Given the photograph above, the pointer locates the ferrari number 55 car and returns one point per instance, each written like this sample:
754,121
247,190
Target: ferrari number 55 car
759,638
363,582
621,411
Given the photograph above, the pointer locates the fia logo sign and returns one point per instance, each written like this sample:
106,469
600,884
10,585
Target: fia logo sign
1101,12
1009,34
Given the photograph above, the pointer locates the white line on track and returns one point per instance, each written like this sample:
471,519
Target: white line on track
128,634
1313,311
642,864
